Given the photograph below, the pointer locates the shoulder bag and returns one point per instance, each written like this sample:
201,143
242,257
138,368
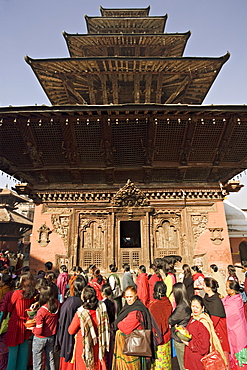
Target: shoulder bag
138,343
213,361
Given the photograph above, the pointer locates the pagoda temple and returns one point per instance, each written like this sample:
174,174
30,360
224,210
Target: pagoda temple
126,165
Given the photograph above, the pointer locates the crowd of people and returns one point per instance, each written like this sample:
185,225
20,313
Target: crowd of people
81,319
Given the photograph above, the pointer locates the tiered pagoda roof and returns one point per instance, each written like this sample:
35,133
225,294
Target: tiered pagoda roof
126,58
125,105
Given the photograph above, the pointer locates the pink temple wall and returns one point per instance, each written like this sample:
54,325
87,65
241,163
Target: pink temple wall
39,255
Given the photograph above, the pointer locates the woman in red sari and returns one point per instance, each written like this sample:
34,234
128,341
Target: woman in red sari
17,334
91,324
153,280
142,285
161,309
216,310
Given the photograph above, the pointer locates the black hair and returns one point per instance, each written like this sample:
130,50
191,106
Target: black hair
156,270
234,285
48,265
47,296
41,283
126,267
113,267
214,267
64,268
50,276
199,299
231,270
7,280
180,293
77,269
89,298
142,268
195,268
25,269
187,270
92,267
106,290
98,276
160,289
79,284
211,283
11,269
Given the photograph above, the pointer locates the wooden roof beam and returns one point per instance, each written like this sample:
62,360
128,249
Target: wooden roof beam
104,88
69,88
137,89
182,86
159,89
91,89
115,89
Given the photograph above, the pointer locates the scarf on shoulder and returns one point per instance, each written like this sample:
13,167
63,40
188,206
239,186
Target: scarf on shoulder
161,311
214,305
89,336
136,306
214,340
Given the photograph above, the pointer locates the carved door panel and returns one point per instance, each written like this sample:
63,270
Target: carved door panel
166,236
92,242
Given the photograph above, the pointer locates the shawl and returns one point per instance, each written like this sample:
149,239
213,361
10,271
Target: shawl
142,287
89,336
214,340
214,305
136,306
161,311
62,282
197,275
63,338
236,322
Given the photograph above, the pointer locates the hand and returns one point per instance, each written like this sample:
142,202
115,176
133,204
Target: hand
186,343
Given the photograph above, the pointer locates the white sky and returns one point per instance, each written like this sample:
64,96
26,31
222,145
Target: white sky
34,27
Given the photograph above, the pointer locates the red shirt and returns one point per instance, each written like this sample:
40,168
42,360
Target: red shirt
46,322
142,288
129,323
17,333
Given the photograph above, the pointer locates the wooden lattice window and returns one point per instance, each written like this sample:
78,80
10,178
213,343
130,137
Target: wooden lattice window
97,258
166,253
88,260
125,257
135,259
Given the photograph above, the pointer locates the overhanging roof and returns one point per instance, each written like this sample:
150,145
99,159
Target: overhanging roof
162,45
155,144
155,24
120,80
127,12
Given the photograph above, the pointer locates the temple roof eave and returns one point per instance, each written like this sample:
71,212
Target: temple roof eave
203,135
108,24
135,11
222,58
187,109
187,80
175,41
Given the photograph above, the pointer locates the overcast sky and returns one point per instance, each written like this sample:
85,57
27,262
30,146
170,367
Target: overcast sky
34,27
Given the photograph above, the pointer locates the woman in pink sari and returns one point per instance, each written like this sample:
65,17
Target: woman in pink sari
236,325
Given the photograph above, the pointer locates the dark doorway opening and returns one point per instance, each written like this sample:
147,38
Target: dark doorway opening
130,234
243,251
